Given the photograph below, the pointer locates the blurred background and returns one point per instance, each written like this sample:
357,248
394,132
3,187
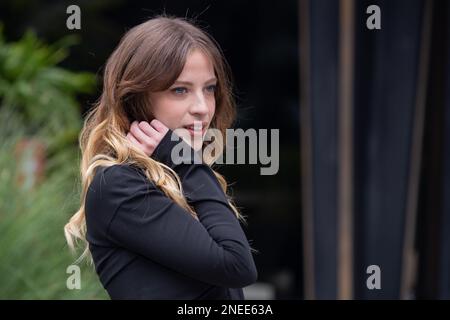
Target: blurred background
364,119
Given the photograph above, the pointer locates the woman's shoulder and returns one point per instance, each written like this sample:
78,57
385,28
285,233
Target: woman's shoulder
111,183
117,171
110,187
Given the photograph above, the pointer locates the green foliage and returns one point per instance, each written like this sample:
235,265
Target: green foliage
44,95
38,100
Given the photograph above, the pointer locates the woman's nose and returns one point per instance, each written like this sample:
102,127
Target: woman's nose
200,105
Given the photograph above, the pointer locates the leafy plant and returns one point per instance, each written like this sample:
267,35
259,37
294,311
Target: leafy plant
38,101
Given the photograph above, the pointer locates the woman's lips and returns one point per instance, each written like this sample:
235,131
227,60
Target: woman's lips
196,131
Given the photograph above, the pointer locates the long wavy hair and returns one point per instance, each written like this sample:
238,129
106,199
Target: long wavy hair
149,58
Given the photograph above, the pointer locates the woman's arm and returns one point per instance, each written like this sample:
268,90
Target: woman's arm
213,250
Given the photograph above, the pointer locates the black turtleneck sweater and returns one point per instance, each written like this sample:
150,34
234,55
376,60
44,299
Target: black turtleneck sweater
145,246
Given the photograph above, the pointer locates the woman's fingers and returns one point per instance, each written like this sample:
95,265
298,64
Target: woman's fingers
133,140
140,135
159,126
148,129
147,136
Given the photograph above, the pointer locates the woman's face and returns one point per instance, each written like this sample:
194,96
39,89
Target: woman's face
190,100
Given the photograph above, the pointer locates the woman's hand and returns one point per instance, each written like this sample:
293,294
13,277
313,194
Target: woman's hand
146,136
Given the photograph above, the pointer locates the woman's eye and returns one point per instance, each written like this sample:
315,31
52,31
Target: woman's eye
211,88
179,90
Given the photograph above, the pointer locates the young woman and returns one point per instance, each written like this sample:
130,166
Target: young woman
156,228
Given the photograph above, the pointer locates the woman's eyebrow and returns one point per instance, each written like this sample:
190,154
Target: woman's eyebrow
187,83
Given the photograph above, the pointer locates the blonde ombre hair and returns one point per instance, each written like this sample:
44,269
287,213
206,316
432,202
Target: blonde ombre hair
149,58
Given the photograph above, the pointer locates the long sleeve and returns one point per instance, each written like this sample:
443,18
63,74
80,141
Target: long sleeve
145,221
